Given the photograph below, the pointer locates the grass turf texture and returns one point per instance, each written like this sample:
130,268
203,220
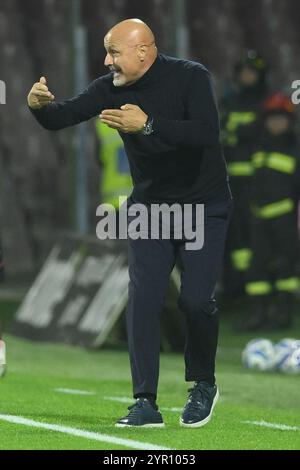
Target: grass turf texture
35,370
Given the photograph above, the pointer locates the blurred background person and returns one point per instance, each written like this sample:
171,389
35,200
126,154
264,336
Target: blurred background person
45,193
115,178
274,237
50,191
241,128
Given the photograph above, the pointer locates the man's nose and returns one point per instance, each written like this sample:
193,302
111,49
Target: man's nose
108,60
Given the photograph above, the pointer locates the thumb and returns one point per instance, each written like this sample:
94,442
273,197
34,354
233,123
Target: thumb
43,81
126,107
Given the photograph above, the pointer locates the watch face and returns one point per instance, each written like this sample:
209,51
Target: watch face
148,128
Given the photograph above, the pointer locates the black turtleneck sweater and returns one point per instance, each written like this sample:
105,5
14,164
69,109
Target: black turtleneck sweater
182,160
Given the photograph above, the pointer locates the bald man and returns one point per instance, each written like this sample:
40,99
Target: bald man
165,112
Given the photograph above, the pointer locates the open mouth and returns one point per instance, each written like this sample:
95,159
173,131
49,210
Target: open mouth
116,71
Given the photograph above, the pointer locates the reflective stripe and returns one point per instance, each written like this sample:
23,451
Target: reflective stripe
288,285
240,169
231,140
241,259
275,161
235,119
115,177
258,159
281,162
258,288
274,210
112,197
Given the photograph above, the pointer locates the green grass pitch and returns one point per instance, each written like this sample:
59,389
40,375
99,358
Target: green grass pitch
36,370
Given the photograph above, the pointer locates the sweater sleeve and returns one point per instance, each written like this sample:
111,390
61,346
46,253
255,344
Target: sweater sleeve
86,105
202,127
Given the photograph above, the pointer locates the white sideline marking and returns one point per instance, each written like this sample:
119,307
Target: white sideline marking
174,410
130,400
94,436
72,391
126,400
282,427
120,399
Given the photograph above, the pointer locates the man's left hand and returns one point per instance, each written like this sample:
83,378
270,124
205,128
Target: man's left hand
129,119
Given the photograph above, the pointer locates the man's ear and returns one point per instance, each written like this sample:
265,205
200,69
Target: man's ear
142,53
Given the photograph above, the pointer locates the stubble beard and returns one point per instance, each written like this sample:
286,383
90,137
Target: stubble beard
119,80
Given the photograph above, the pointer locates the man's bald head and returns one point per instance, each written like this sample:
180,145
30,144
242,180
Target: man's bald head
131,50
133,32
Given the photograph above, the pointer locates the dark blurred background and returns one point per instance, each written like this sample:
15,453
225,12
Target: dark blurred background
50,182
37,169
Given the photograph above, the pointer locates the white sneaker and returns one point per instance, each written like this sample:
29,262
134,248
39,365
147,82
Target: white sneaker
2,358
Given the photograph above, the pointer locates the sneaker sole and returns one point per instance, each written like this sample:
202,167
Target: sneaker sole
199,424
158,425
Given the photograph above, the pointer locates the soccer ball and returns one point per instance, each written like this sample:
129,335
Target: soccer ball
291,364
283,350
258,354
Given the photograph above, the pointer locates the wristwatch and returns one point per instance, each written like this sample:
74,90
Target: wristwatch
148,127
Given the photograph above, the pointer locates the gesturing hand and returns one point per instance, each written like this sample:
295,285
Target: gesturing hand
40,95
129,119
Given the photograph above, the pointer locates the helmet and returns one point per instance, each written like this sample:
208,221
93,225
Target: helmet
278,103
253,60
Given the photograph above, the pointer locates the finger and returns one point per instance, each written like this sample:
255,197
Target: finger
111,118
127,107
45,100
112,112
39,86
42,104
43,93
43,81
111,124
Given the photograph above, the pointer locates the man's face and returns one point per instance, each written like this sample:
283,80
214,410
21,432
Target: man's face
277,124
123,60
248,76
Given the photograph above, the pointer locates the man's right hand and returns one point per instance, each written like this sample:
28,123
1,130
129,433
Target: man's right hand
40,95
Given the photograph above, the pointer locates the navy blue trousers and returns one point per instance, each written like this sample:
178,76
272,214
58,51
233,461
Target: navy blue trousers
150,265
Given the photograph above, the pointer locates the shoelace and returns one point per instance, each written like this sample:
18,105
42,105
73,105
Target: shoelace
134,409
197,397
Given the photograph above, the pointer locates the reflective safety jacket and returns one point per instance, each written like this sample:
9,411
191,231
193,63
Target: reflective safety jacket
275,187
240,129
116,179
